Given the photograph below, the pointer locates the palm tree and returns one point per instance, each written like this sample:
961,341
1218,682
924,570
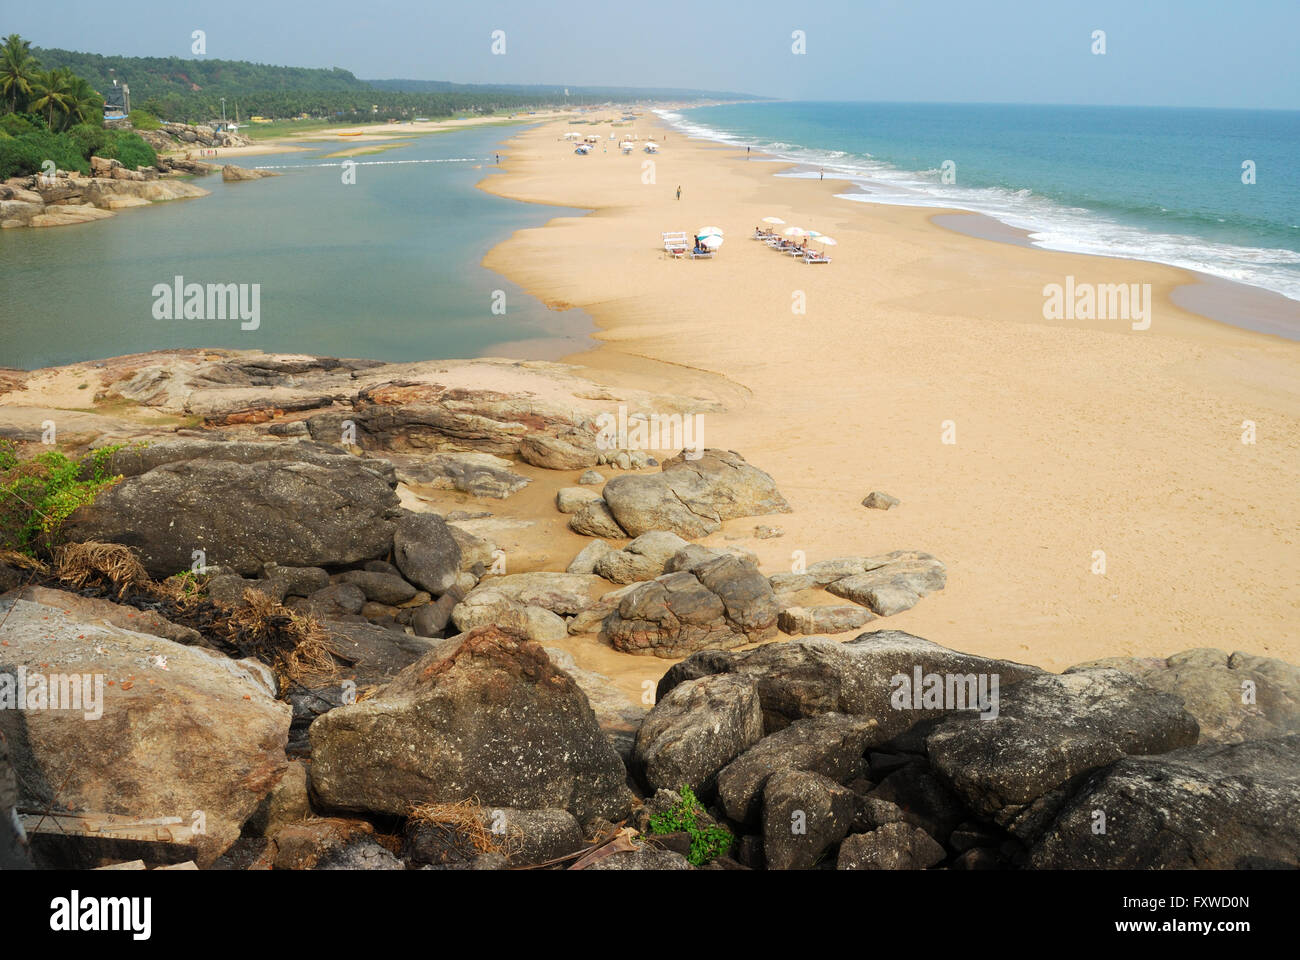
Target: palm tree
85,105
17,70
53,93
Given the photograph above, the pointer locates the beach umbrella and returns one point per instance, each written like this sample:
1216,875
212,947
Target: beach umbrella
795,232
711,242
709,232
830,242
773,220
813,233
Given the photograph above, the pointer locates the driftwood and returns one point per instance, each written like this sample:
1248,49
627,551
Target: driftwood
108,826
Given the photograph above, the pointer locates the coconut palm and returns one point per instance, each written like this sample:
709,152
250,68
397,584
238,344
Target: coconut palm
85,105
17,71
52,94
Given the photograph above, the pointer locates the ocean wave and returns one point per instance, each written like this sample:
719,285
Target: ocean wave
1050,224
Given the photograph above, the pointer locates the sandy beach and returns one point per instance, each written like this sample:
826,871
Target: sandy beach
1071,436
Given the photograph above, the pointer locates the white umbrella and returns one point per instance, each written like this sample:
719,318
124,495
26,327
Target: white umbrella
773,220
709,231
826,240
813,233
795,232
711,242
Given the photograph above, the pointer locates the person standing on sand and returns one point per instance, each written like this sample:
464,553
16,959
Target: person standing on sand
821,174
747,151
679,191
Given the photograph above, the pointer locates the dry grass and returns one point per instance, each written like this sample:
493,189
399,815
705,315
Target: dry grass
464,827
22,561
110,566
295,646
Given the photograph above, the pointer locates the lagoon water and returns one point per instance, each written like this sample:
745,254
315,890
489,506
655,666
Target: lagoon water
386,268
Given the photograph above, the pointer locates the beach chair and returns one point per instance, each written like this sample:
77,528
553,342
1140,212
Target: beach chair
812,256
702,255
676,244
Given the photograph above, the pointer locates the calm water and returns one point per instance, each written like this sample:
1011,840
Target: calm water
1159,184
386,268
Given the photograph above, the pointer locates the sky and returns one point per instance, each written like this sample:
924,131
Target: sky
1201,53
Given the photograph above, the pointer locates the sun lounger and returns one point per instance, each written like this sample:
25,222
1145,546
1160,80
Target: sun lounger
812,256
676,244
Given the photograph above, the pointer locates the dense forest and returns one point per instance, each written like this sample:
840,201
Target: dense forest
191,90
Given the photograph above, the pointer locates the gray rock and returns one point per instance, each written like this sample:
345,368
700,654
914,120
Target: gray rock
533,836
1233,698
337,600
296,581
804,815
423,737
380,587
426,552
831,744
642,559
1208,807
591,477
478,474
895,846
646,858
696,730
362,855
570,450
585,561
474,549
571,499
431,619
893,586
1016,769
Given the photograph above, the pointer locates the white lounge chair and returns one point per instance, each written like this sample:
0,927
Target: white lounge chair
812,256
676,244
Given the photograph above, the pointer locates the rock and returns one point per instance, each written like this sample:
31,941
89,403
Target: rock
804,815
534,836
805,620
206,734
379,587
895,585
431,619
424,737
1016,768
876,500
1208,807
692,497
593,519
695,731
426,552
924,800
302,514
646,858
871,812
106,612
1215,688
895,846
374,654
337,600
296,581
487,609
286,803
362,855
478,474
233,174
642,559
591,619
585,561
570,450
571,499
831,744
303,846
474,550
725,602
591,477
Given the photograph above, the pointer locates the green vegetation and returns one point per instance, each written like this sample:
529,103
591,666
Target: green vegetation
144,120
55,116
708,841
38,495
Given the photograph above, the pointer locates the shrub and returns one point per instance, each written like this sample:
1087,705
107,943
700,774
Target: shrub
26,153
708,841
38,495
144,120
16,125
128,148
88,138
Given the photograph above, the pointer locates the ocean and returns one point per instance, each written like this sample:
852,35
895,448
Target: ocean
1160,184
386,268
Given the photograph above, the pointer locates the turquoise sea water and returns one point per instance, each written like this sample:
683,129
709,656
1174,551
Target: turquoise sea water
386,268
1160,184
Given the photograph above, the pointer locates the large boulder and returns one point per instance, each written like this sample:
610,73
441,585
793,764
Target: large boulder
893,846
494,720
892,583
696,730
426,552
478,474
162,730
244,514
807,676
804,815
724,602
643,559
1019,767
1233,697
1208,807
692,497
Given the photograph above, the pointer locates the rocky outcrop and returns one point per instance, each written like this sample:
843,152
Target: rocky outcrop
39,201
233,174
495,720
426,552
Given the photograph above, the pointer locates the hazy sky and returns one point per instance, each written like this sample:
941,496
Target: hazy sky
1217,53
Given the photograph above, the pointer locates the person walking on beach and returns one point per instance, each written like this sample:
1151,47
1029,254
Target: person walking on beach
747,151
821,174
679,191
